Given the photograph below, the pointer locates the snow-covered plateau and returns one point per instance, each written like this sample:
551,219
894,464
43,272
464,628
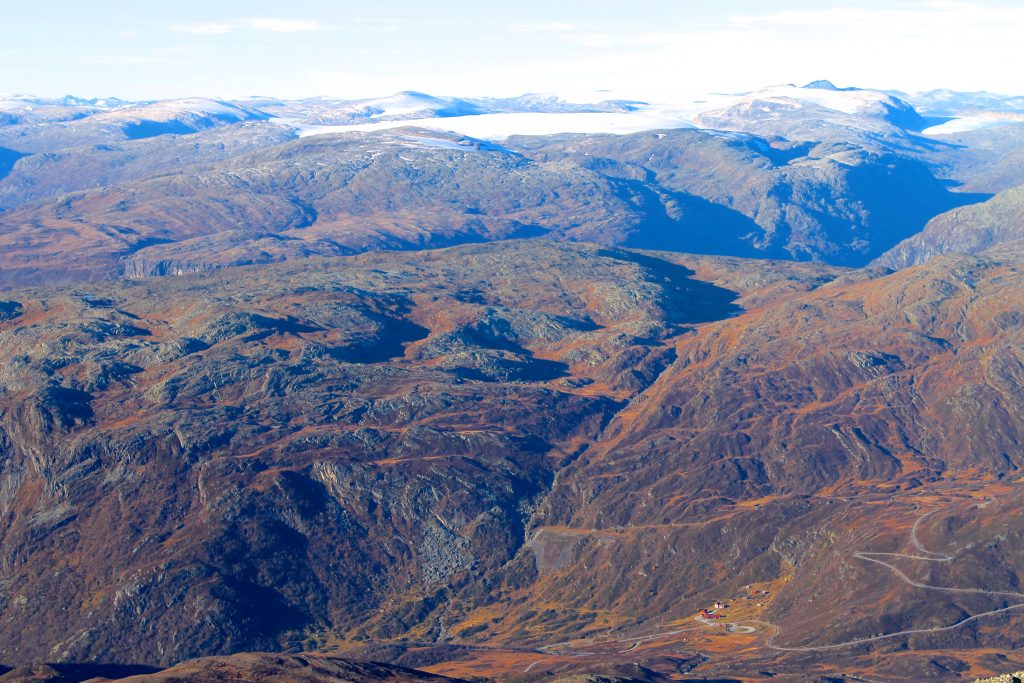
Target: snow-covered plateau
496,119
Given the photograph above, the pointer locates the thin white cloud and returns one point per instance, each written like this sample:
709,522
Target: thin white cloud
901,44
117,60
899,18
204,28
589,39
905,45
546,27
283,25
272,24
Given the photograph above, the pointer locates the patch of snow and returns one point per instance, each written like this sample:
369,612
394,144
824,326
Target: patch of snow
845,101
682,111
502,126
968,123
402,104
435,143
490,119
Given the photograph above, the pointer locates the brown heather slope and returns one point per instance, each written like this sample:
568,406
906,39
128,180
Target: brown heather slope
252,667
212,464
853,450
274,668
522,460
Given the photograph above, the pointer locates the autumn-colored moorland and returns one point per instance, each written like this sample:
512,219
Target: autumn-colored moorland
285,401
521,460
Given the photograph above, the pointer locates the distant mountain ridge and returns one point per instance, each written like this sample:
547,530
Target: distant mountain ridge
952,103
104,188
769,110
411,105
255,194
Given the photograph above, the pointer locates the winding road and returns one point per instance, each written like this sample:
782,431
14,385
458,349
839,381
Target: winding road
743,626
926,556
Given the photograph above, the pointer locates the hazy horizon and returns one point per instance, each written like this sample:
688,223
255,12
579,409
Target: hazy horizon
648,50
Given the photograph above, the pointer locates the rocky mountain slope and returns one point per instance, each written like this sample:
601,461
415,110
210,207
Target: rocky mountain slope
986,160
748,196
820,112
335,402
518,455
251,193
93,125
965,230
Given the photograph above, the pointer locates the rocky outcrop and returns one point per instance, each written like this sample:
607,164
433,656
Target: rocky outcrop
1005,678
9,310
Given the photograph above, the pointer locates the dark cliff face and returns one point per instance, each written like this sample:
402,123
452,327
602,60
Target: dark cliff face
9,310
743,195
965,230
440,447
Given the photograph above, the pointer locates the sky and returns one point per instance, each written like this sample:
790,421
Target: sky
638,49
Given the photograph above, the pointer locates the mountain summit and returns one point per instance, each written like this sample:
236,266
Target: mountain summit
821,85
